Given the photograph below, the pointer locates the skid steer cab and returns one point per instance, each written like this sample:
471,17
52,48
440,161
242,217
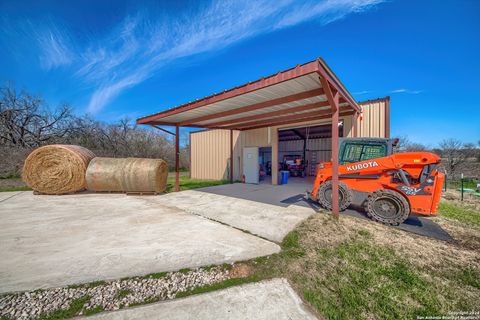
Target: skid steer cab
390,186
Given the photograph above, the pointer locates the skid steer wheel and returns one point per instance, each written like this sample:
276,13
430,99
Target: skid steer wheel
387,206
324,195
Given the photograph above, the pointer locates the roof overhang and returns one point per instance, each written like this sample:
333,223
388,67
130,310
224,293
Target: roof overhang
293,95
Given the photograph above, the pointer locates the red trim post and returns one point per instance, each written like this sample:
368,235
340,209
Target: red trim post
231,156
190,155
334,104
177,158
335,116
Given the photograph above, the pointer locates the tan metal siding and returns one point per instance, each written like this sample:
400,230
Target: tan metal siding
374,120
256,138
210,152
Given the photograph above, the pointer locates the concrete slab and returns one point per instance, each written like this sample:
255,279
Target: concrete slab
49,241
268,221
273,299
291,196
7,195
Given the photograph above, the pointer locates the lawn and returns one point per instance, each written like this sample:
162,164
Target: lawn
357,269
186,183
16,184
462,213
12,184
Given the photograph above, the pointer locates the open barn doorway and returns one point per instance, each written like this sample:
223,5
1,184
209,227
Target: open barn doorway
301,149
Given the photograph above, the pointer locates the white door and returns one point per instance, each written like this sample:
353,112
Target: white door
250,164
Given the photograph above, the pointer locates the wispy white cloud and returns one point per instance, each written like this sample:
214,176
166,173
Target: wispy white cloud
143,43
408,91
362,92
54,49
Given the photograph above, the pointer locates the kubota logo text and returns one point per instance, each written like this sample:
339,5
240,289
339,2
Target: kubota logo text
364,165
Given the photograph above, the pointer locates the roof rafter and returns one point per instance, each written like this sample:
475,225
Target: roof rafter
256,106
280,123
301,108
267,122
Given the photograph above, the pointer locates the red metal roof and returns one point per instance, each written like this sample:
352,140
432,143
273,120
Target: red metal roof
293,94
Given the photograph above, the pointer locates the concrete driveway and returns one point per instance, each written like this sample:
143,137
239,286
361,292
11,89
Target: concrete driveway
50,241
221,203
272,299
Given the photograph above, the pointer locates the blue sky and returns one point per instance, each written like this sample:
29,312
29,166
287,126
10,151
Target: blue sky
117,59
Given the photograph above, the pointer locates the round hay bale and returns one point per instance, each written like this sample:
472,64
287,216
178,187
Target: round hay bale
57,168
127,175
144,175
105,174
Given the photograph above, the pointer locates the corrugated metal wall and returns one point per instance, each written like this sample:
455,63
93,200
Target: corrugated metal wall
210,154
210,149
256,138
373,120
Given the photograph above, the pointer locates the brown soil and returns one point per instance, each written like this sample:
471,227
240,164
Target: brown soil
240,270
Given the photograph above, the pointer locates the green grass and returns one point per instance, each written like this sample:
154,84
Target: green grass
186,183
367,279
185,270
95,310
457,184
122,293
9,189
360,278
218,286
75,307
460,213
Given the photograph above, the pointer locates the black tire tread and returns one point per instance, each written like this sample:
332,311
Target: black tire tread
327,203
372,197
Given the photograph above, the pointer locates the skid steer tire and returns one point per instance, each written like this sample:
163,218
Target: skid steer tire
387,206
324,195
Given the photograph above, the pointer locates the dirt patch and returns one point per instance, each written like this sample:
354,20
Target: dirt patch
466,237
240,270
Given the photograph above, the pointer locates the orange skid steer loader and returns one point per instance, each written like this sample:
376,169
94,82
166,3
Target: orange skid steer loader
389,186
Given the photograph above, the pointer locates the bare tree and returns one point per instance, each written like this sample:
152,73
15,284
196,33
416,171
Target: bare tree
453,154
25,121
406,145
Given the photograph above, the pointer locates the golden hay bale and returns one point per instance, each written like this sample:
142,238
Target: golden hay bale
105,174
57,168
127,175
145,175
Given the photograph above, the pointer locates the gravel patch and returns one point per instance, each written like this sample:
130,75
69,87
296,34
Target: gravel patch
108,296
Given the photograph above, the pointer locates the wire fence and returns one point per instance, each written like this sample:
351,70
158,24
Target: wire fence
466,186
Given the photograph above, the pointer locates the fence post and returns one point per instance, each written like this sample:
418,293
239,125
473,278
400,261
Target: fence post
446,177
461,181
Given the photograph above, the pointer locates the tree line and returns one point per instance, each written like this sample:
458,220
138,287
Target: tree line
457,157
27,122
